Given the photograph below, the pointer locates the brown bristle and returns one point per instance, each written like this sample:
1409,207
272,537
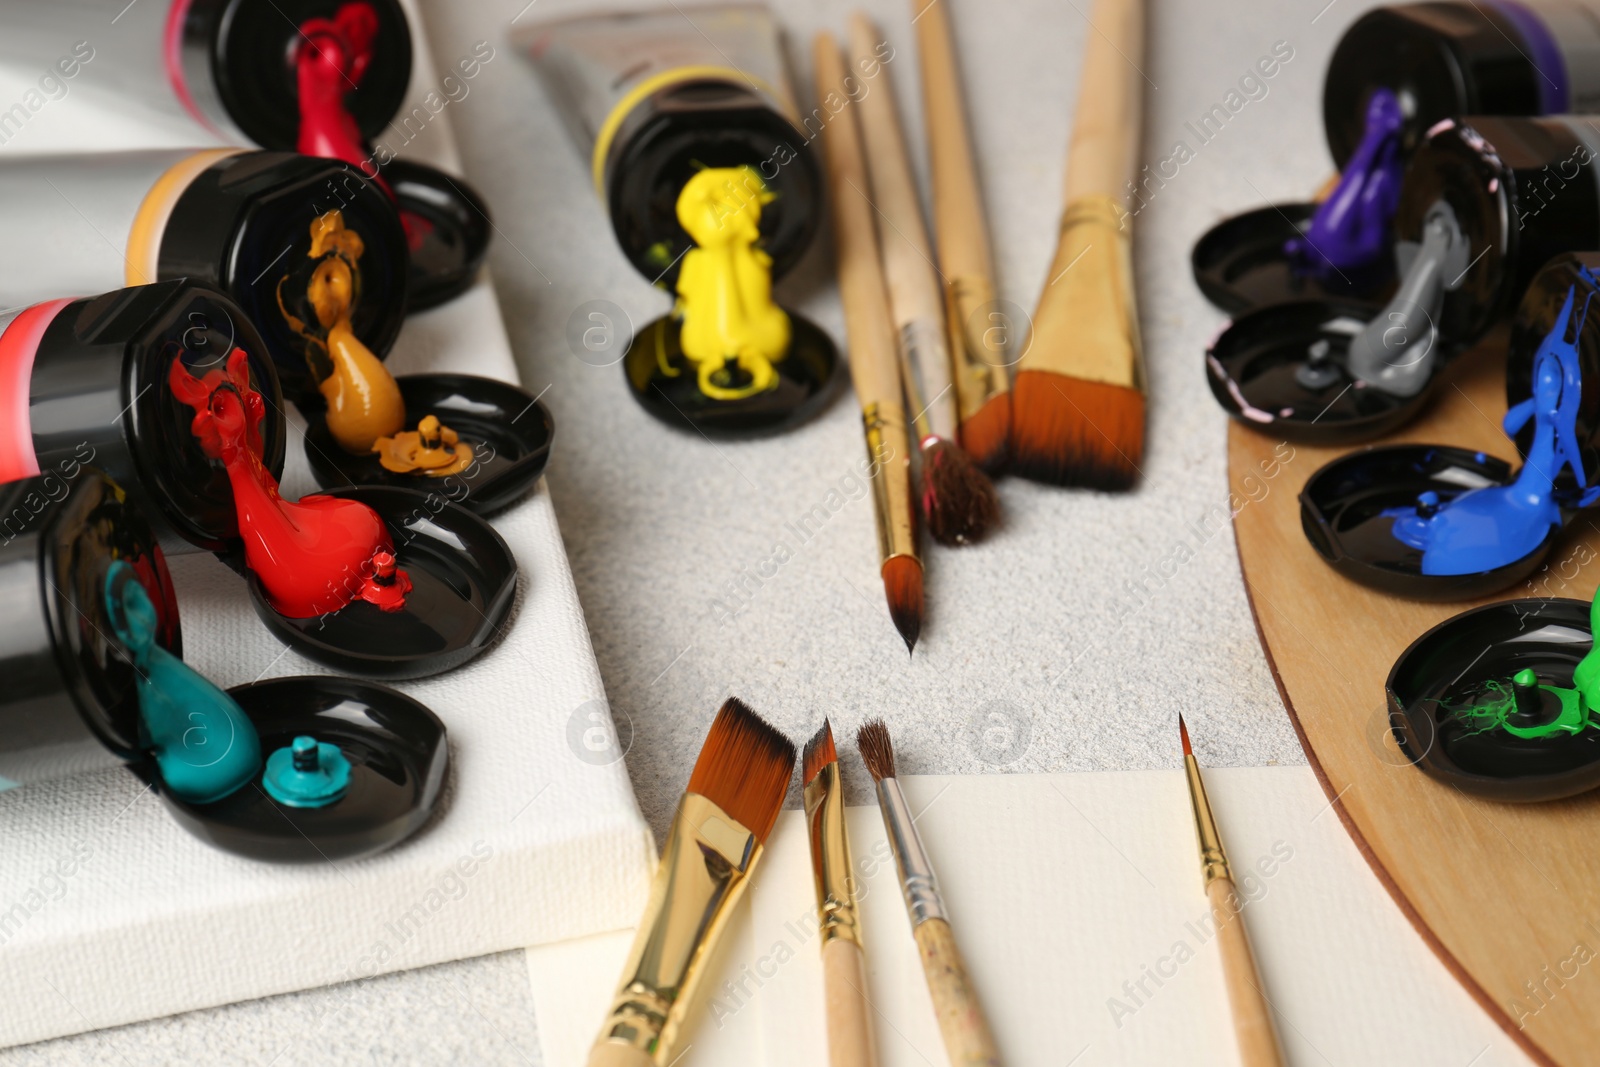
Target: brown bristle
986,433
819,753
958,499
902,584
744,768
877,751
1071,431
1183,732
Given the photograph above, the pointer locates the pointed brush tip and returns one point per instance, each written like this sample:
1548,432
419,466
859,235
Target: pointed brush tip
1183,732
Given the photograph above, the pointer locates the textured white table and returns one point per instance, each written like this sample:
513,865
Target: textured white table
1041,625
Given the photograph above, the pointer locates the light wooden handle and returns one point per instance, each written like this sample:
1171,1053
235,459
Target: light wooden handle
873,366
916,299
616,1054
957,207
844,977
1104,151
907,254
967,1040
874,355
1252,1015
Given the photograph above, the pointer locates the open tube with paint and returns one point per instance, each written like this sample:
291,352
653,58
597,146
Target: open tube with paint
160,386
315,255
322,77
1396,72
685,116
92,659
237,221
1485,203
1433,522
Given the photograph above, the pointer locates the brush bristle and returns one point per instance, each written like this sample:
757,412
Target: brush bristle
987,433
1070,431
819,753
1183,732
744,768
902,584
958,499
877,751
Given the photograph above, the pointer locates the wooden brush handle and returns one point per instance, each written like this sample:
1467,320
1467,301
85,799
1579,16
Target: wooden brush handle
967,1040
1102,156
916,301
1252,1015
616,1054
844,977
874,362
957,208
861,282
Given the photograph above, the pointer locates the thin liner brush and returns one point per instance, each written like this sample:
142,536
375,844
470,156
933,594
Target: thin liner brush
844,972
958,500
873,366
968,1041
723,820
1252,1015
1078,404
980,363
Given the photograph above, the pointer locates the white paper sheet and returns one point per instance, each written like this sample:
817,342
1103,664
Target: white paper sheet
1077,902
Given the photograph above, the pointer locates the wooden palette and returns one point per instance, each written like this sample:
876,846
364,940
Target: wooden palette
1506,894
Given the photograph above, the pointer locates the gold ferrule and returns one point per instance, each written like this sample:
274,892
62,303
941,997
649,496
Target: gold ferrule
891,482
922,342
1213,860
980,342
830,857
704,868
1087,324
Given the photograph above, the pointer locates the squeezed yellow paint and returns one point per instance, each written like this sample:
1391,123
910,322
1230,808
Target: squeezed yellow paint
431,448
365,408
725,287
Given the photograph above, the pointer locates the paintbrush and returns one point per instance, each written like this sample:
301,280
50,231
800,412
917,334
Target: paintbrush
844,972
958,500
1078,407
872,348
980,362
967,1039
1252,1015
735,792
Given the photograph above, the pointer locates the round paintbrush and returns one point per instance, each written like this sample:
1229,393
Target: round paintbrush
958,500
968,1040
873,363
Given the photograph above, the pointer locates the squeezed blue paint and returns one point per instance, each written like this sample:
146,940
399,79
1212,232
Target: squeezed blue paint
1353,228
307,774
203,743
1488,528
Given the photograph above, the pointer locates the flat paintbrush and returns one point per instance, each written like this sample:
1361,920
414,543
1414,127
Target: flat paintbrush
958,500
979,344
1078,406
968,1041
844,971
724,818
873,362
1252,1015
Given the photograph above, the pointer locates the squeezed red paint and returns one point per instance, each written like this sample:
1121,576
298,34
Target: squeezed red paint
332,58
312,557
